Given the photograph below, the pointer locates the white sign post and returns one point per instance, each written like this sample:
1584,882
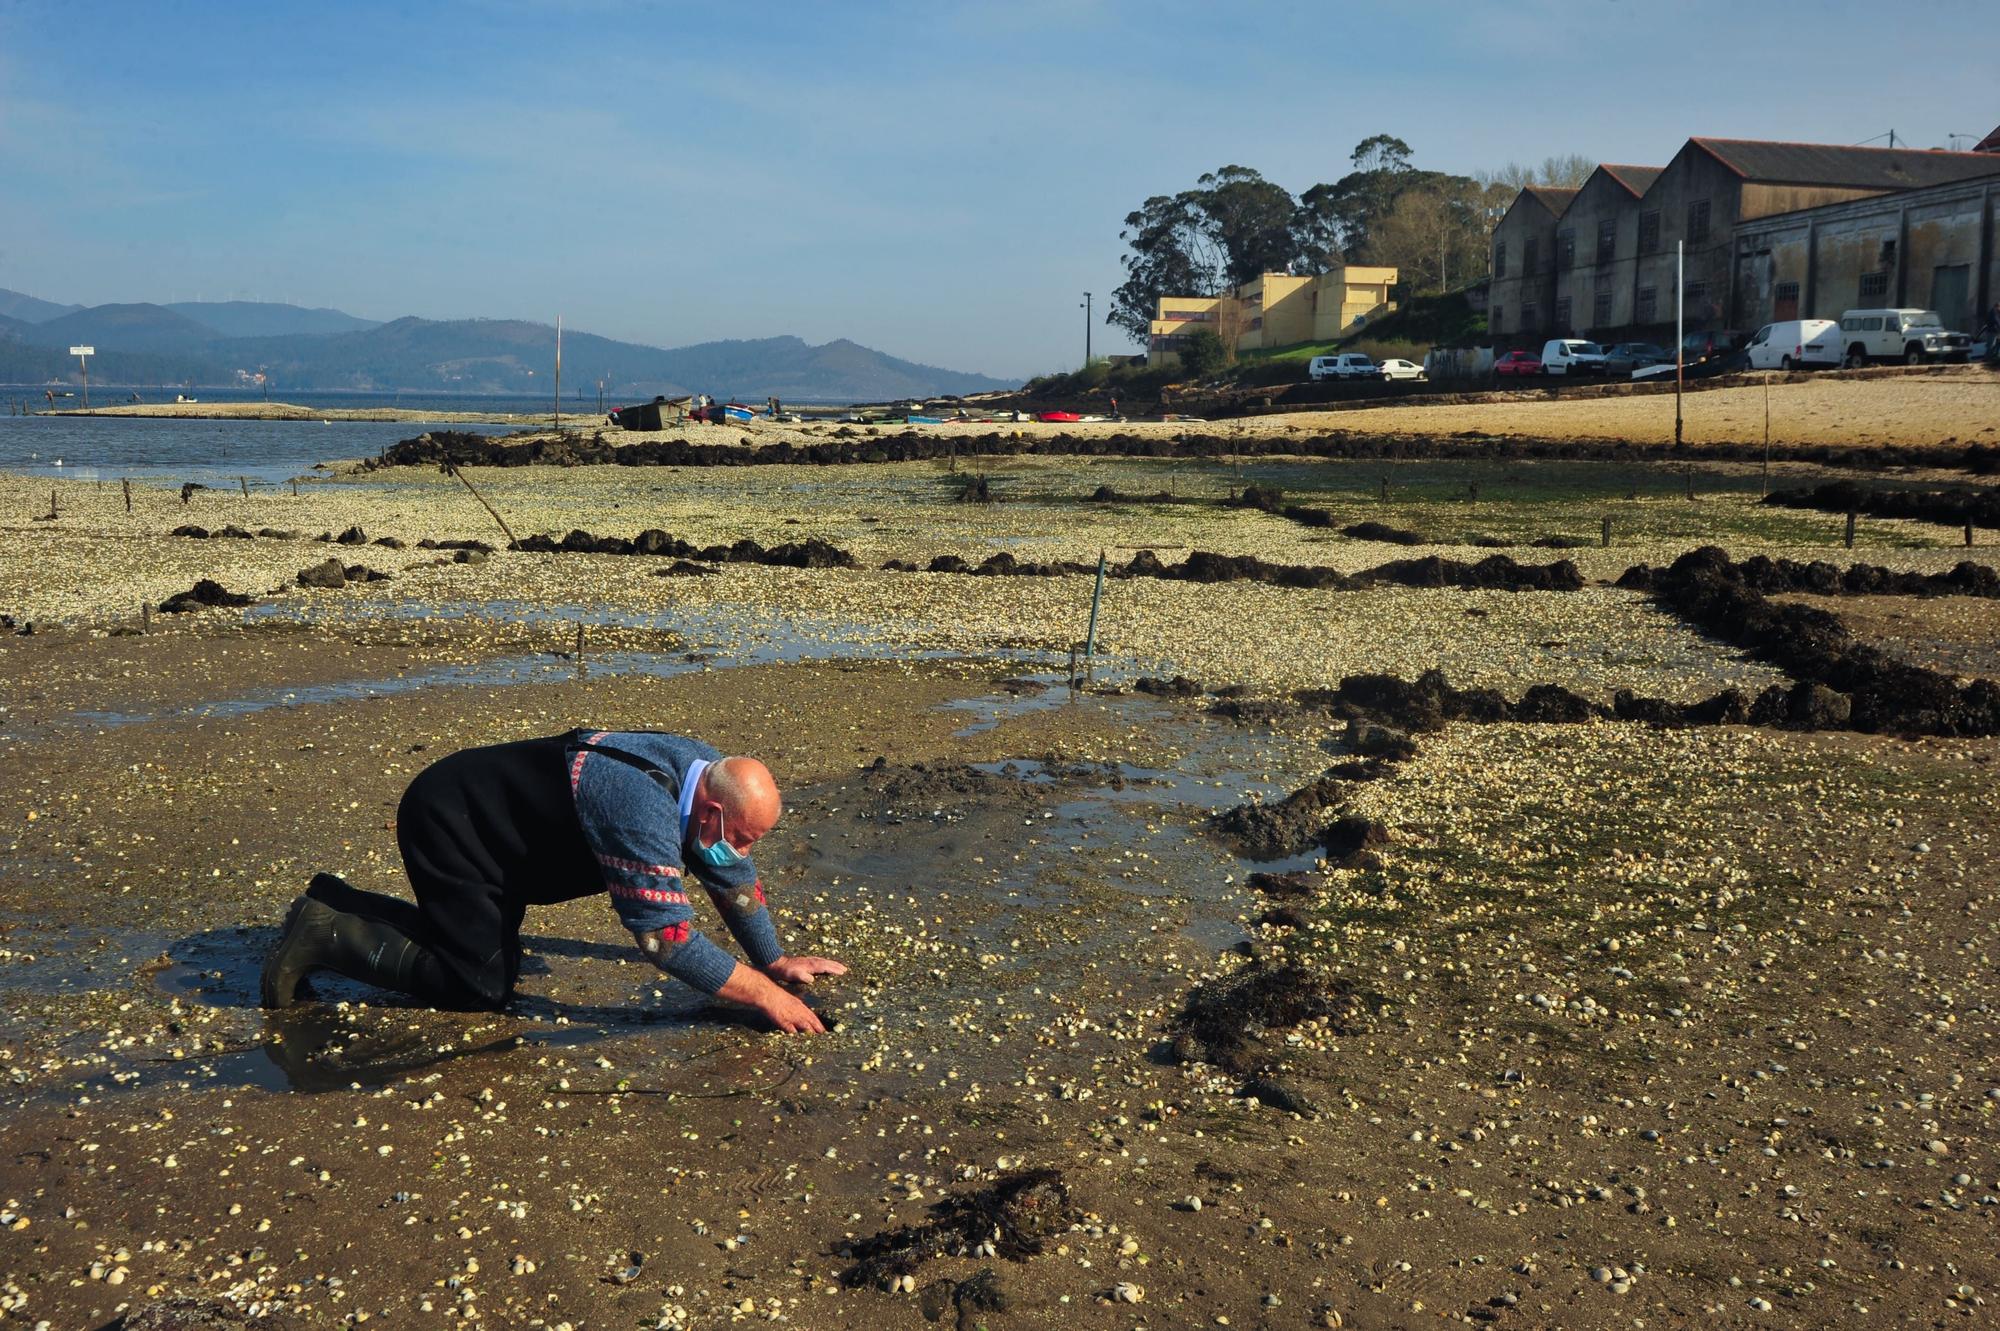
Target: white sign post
83,355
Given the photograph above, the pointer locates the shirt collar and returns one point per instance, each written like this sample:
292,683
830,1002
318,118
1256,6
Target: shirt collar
688,783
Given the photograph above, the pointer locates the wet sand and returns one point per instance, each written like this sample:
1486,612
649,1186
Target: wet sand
1682,1027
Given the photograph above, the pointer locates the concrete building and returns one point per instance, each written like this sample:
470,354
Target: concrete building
1932,248
1275,310
1713,186
1602,258
1521,296
1597,251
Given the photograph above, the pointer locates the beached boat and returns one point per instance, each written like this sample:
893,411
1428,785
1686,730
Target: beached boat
733,412
1059,417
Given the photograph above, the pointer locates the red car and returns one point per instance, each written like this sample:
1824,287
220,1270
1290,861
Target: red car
1519,364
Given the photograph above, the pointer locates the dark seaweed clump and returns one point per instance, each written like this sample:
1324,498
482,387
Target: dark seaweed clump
1709,591
1953,507
1225,1020
205,593
1017,1214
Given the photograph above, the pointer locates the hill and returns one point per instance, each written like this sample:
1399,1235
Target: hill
150,344
30,309
253,318
123,328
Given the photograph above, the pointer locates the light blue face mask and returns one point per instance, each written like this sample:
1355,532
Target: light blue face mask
721,855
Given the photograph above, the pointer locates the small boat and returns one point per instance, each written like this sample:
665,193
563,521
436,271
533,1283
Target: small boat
733,412
923,420
1059,417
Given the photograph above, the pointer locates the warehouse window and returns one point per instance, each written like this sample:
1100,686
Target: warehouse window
1530,318
1874,286
1500,259
1649,231
1531,256
1607,239
1566,248
1649,304
1697,292
1499,319
1562,314
1787,291
1698,221
1600,310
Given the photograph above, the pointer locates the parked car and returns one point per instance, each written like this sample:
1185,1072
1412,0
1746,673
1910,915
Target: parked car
1909,336
1518,365
1621,360
1572,356
1347,365
1794,344
1699,347
1403,370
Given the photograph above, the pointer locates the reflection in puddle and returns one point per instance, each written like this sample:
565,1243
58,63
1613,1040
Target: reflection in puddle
1003,877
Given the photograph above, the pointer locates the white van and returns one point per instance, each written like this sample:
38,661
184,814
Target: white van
1794,344
1572,355
1910,336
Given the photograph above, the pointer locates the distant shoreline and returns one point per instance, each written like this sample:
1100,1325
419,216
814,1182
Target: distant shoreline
286,411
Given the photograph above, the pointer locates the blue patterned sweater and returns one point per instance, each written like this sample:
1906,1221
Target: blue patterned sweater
634,791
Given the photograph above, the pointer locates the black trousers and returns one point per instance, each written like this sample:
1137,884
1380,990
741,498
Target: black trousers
485,833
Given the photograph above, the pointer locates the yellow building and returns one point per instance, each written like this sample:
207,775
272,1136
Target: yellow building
1275,310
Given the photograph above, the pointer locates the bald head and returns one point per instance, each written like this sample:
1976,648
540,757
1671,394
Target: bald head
748,795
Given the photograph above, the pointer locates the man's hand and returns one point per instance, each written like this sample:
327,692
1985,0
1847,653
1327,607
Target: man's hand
785,1011
803,970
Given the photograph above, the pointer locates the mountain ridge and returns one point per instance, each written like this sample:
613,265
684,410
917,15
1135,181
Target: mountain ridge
146,343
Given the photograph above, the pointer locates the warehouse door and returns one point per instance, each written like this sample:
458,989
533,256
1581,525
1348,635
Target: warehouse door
1951,287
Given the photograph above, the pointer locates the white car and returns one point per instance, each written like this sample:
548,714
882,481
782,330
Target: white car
1794,344
1572,356
1347,365
1405,370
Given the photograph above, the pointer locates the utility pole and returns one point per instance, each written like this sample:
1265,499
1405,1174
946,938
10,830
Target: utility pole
1086,329
1680,330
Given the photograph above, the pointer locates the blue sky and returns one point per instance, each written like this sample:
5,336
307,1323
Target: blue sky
941,182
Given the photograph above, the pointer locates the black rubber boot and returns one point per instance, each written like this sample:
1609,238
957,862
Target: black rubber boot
373,951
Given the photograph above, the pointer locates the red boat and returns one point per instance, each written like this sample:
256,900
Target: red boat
1058,417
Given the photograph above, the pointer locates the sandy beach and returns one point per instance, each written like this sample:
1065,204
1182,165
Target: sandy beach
1595,1022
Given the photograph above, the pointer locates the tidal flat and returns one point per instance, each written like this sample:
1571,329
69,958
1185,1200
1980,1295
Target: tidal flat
1600,1022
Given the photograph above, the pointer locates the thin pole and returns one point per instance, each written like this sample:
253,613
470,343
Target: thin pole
1764,486
128,494
453,469
1680,329
1096,598
558,374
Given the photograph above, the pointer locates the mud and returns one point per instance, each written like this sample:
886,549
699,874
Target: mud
1889,696
1014,1217
570,451
811,553
205,594
1952,508
332,575
1495,573
1774,577
1230,1022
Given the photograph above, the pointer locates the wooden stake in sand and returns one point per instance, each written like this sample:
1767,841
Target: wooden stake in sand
244,483
1968,535
1096,599
1850,529
452,467
128,494
1607,531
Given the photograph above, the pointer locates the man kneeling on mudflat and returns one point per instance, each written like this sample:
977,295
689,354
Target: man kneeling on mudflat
486,833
